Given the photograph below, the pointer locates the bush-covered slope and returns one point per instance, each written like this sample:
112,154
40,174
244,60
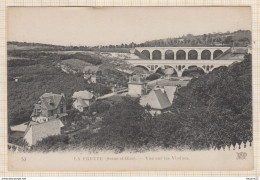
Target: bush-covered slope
214,110
217,107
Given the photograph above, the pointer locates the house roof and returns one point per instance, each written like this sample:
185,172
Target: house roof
82,102
44,124
83,95
50,100
156,99
170,90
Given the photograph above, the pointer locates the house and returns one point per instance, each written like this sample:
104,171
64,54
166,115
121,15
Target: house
157,99
82,100
49,105
170,91
36,131
137,85
92,74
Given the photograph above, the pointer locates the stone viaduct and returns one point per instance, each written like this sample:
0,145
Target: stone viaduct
175,53
181,58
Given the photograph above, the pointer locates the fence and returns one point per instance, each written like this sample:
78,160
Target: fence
242,146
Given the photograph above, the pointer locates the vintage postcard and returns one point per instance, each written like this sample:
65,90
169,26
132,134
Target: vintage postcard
129,88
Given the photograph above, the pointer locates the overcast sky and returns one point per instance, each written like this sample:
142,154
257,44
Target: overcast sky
104,26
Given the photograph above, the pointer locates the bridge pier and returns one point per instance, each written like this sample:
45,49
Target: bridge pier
179,73
199,56
163,56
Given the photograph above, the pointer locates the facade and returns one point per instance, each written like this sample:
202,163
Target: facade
137,85
82,100
37,131
92,74
49,105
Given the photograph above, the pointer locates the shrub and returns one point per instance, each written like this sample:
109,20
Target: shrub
153,77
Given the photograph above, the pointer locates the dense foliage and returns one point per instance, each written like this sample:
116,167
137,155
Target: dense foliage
39,78
20,62
98,107
153,76
239,38
52,143
217,107
214,110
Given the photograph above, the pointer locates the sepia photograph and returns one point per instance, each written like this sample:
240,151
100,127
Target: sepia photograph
129,88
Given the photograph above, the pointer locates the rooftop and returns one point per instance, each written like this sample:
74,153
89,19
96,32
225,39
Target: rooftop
83,95
50,100
157,99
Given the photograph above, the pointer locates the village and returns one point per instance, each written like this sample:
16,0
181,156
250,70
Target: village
68,99
50,114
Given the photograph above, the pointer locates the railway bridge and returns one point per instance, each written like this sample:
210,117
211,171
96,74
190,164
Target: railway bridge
181,58
181,53
180,66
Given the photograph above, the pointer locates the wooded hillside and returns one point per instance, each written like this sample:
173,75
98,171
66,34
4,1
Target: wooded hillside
213,111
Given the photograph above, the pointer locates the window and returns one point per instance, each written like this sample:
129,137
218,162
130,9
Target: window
52,112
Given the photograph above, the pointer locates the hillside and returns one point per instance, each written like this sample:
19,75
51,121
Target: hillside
33,72
212,111
238,38
216,108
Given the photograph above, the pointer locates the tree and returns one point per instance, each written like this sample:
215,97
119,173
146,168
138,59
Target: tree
52,143
99,107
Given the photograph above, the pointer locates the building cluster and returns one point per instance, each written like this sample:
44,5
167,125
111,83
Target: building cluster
92,74
45,118
157,99
51,109
48,114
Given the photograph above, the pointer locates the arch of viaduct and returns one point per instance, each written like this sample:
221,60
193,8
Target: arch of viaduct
180,66
175,53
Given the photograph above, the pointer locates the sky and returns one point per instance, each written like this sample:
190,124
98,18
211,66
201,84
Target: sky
91,26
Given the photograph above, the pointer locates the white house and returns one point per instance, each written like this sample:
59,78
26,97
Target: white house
37,131
159,99
82,100
137,85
